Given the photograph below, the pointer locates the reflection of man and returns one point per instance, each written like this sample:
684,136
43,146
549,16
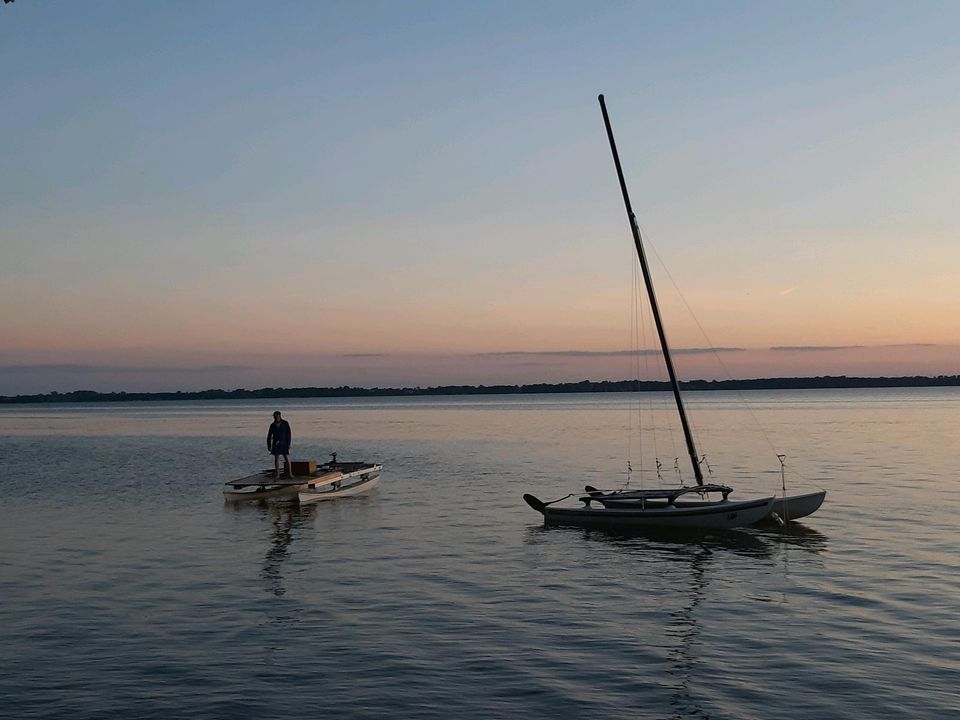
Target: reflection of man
278,443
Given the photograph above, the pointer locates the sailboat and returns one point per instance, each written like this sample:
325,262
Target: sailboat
668,508
785,508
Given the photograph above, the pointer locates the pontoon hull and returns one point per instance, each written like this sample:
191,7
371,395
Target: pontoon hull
795,507
355,483
787,509
264,486
267,493
720,515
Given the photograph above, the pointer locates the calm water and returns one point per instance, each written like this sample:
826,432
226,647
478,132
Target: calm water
128,588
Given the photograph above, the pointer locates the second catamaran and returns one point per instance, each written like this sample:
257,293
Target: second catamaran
662,507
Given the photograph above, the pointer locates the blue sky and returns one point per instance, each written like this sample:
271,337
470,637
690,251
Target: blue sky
192,185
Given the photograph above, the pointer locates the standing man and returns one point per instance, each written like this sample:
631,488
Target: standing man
278,443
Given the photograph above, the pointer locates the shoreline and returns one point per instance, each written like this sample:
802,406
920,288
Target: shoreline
584,386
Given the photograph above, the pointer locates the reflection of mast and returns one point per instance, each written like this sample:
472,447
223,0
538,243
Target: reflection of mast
683,626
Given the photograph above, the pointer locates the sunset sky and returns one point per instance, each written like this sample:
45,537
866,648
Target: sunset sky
248,194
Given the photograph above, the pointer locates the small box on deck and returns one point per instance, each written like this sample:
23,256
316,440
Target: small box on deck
303,467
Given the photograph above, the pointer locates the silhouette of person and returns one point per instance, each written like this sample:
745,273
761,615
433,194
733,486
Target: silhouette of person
278,443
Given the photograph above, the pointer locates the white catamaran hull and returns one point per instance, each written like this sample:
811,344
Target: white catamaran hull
794,507
268,491
720,515
355,483
264,486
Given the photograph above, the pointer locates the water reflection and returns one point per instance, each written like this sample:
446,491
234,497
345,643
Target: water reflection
758,541
285,519
696,550
796,535
683,626
741,542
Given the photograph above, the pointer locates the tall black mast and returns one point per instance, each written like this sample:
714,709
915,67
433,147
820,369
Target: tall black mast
648,281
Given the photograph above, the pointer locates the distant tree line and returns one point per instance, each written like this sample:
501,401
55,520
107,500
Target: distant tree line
796,383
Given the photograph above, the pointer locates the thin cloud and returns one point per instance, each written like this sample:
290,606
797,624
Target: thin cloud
111,369
830,348
605,353
533,364
787,291
814,348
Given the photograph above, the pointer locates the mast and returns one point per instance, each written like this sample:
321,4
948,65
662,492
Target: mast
648,281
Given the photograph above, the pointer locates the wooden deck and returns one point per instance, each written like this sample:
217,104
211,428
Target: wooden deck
266,478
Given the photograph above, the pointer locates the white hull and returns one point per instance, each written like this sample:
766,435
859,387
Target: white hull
794,507
355,483
269,491
263,486
719,515
330,478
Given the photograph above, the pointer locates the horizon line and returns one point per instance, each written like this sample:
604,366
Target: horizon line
773,383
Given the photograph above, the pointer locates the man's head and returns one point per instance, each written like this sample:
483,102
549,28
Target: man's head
276,415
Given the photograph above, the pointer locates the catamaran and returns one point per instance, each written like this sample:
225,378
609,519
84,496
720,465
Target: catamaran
307,482
784,509
654,508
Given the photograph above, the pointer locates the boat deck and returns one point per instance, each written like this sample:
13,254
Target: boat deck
267,478
668,494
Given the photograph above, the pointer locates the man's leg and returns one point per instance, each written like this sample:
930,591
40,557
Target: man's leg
276,466
286,465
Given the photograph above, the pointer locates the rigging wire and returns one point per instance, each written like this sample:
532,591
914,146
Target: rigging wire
783,484
641,351
646,327
710,345
661,418
706,337
676,458
631,361
695,430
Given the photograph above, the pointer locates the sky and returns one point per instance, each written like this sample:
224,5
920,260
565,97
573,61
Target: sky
249,194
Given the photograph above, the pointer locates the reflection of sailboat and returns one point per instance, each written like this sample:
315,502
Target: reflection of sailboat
683,626
797,535
656,508
739,542
680,613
